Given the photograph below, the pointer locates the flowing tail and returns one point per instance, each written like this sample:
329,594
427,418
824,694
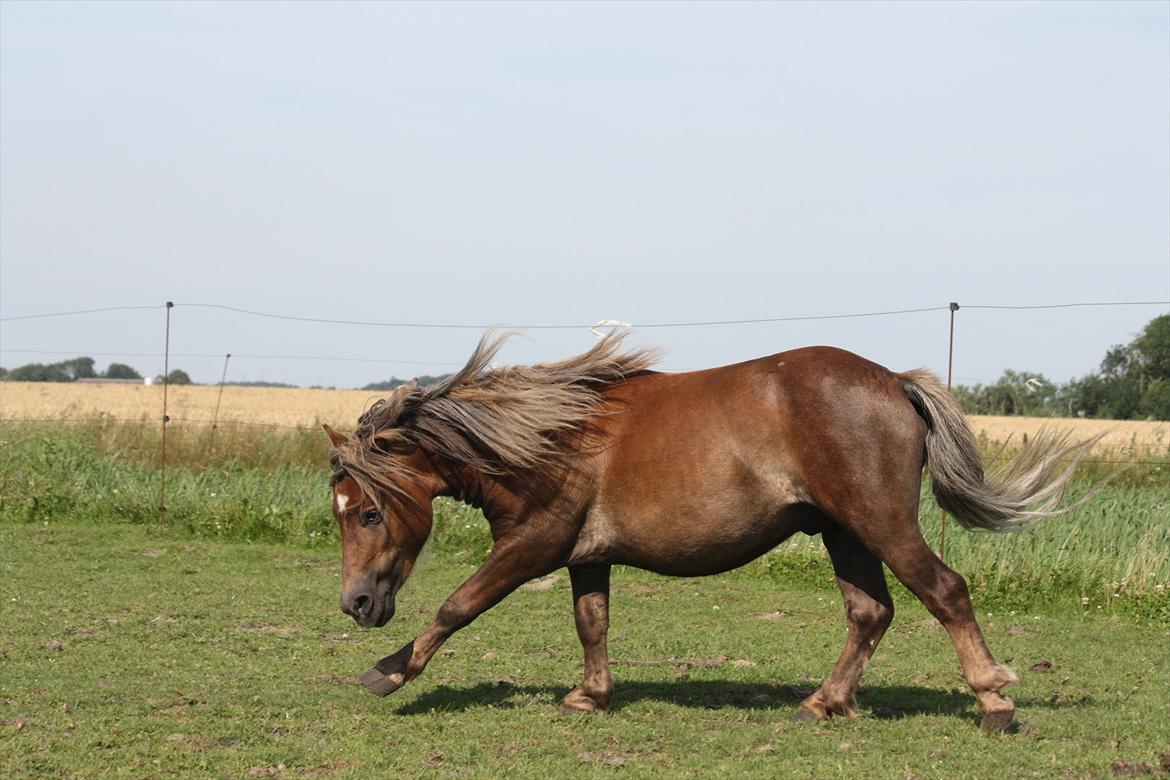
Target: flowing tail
1025,490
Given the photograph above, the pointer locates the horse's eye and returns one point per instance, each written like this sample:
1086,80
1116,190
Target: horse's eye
371,517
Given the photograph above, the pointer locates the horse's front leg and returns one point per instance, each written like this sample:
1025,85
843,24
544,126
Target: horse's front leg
513,561
591,611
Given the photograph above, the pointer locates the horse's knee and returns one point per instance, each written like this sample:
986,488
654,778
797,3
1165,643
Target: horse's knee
870,617
453,615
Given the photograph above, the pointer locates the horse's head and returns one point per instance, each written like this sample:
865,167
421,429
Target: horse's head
381,536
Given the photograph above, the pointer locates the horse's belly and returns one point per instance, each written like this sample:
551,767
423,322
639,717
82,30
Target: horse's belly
689,546
693,506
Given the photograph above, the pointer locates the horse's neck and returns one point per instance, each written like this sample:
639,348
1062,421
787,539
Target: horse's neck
485,492
506,500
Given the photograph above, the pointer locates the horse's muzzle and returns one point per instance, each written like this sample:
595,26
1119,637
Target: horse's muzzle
369,610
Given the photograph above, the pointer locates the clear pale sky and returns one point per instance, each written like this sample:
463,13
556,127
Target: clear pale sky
565,163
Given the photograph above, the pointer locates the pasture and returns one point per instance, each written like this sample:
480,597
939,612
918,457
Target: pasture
209,643
137,652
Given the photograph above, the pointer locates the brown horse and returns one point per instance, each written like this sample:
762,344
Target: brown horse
598,460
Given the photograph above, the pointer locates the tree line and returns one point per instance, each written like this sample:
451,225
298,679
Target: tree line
394,382
1132,383
81,368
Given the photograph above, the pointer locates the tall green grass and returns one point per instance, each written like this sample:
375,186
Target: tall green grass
266,484
257,485
245,483
1110,555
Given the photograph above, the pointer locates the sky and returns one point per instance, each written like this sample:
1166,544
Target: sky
561,164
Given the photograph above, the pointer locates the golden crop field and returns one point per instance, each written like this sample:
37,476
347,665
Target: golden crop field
1121,436
341,408
185,403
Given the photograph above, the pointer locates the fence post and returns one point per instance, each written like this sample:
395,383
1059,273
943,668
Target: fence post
942,534
218,399
162,483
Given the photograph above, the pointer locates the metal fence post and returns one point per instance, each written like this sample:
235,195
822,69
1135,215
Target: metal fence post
942,534
162,484
218,399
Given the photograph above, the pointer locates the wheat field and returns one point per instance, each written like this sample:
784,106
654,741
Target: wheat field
275,406
298,407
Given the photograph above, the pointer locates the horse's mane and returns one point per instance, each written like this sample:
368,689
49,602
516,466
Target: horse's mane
494,420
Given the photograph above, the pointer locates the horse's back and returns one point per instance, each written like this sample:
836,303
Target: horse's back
792,398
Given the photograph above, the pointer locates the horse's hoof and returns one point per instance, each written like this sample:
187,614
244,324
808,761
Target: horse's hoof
804,716
574,707
996,722
380,684
579,702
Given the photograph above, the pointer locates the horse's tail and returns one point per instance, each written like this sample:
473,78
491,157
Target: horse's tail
1026,489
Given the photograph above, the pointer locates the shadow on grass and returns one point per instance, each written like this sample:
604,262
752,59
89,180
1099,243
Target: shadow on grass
883,701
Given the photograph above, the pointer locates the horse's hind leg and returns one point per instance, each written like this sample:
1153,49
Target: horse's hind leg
869,610
945,594
591,611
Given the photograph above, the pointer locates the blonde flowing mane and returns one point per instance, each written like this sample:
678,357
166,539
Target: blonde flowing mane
493,420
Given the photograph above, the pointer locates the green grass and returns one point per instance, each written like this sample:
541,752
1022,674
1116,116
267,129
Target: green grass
272,485
136,652
1109,556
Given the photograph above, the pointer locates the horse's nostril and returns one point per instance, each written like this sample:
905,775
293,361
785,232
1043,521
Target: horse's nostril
361,604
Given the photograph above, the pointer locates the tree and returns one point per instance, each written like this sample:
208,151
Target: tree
65,371
1152,349
1134,379
178,377
39,372
1132,382
78,368
1023,392
394,382
1155,401
121,371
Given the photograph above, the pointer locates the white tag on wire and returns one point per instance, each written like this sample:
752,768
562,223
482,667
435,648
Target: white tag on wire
607,324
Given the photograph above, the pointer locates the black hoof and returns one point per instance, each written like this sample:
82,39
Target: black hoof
379,684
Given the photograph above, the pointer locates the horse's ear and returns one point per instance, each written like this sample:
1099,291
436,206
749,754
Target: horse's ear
337,437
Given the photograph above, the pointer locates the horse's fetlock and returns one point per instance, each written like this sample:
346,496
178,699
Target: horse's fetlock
993,679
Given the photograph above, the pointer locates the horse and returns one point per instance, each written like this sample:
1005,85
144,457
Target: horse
600,460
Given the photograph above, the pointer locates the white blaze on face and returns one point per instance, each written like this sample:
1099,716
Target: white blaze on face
342,499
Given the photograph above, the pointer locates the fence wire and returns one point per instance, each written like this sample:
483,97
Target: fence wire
469,326
563,326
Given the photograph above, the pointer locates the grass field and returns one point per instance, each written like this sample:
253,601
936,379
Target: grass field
207,642
272,485
133,652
